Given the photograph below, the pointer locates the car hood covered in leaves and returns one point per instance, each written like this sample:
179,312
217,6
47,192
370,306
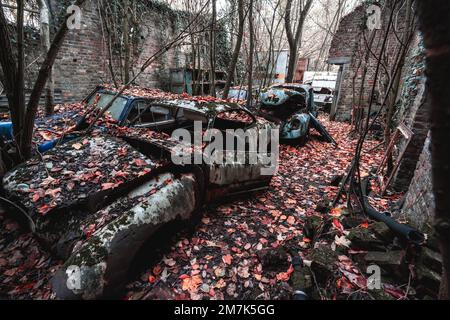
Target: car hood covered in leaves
280,96
82,173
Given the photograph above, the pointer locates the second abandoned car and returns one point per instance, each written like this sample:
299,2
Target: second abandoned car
292,106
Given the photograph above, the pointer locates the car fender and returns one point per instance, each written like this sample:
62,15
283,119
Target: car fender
102,262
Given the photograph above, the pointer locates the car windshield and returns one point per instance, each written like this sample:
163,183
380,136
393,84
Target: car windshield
293,88
297,89
103,99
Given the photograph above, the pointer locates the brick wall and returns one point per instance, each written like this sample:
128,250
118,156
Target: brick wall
82,62
351,26
157,30
419,205
350,42
344,45
414,172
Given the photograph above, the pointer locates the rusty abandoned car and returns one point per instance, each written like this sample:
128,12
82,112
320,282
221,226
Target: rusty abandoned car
127,110
292,106
95,200
137,107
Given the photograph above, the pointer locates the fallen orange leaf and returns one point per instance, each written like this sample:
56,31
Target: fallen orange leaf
151,279
291,220
191,283
365,225
285,276
336,212
227,259
338,225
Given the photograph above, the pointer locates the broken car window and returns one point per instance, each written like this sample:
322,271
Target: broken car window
142,113
117,107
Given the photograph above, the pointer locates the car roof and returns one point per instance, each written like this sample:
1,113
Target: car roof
204,107
196,104
122,95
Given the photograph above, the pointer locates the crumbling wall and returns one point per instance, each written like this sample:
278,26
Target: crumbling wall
419,205
413,110
414,173
349,47
411,105
343,46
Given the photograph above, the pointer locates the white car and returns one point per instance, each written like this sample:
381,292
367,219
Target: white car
323,97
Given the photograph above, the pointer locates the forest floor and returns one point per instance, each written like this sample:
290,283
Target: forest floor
239,250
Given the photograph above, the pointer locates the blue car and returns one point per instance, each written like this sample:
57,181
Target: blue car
292,105
126,110
133,110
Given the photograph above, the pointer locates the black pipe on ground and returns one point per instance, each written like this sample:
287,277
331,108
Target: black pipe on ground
412,235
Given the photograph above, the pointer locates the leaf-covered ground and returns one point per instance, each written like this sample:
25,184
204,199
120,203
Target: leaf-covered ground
229,255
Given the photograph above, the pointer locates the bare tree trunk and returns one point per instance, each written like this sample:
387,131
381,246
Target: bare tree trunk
45,39
251,52
108,40
194,63
270,57
295,40
212,51
434,17
126,39
396,84
237,49
9,68
198,83
20,84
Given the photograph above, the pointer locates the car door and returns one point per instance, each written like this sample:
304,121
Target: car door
247,170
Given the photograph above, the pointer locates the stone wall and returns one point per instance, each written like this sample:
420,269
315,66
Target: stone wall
419,206
413,110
